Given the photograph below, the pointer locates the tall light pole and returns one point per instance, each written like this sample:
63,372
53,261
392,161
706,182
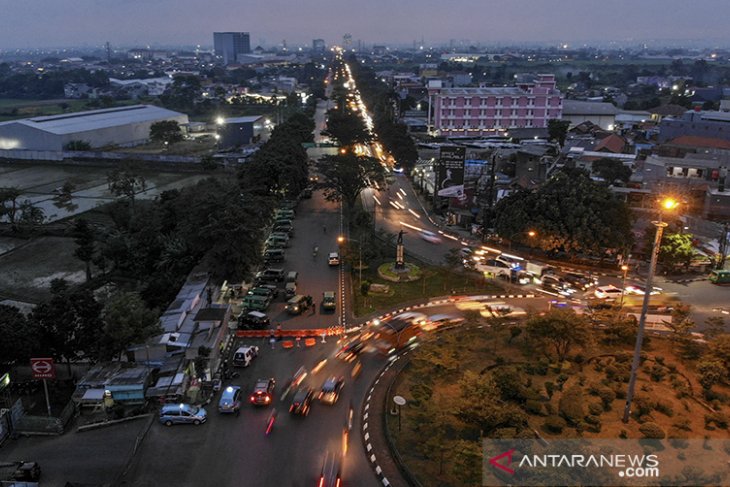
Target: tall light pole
624,268
668,204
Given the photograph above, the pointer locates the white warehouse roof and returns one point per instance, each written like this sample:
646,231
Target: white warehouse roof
96,119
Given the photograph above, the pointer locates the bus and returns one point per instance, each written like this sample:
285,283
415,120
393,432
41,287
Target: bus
720,277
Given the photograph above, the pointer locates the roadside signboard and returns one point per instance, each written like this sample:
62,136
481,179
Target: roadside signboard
43,368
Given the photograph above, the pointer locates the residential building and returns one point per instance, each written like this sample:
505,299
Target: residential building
475,112
712,124
599,113
228,45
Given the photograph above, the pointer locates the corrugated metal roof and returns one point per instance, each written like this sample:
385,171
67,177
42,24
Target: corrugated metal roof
243,119
97,119
577,107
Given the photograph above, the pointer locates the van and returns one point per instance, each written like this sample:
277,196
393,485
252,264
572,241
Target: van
277,241
269,275
253,320
298,304
282,235
291,289
274,255
256,303
244,356
292,276
285,228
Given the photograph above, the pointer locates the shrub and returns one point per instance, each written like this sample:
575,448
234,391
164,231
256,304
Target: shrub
659,360
680,443
607,397
562,379
581,380
591,419
665,408
550,389
657,373
533,407
620,392
571,405
549,408
682,424
642,406
623,434
652,431
579,358
542,367
720,420
554,424
595,408
611,372
593,389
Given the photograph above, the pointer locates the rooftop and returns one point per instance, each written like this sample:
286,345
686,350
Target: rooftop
577,107
69,123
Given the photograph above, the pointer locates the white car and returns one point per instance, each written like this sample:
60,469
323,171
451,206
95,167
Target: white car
413,317
500,309
638,291
333,258
607,292
430,237
437,321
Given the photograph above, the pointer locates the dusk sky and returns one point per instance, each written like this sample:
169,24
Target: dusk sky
62,23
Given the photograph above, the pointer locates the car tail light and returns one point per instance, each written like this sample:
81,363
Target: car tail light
321,482
339,480
253,398
267,399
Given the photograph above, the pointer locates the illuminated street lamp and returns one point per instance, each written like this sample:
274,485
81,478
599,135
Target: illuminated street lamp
668,204
341,240
530,233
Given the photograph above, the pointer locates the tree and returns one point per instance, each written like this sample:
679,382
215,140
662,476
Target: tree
344,176
712,371
558,130
715,326
127,321
30,215
720,349
85,246
676,249
19,335
68,323
9,204
347,127
569,213
611,170
166,131
480,406
126,182
559,330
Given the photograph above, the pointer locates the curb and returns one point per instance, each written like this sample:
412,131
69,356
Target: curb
104,424
364,414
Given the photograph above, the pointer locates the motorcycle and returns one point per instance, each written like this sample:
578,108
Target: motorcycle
270,422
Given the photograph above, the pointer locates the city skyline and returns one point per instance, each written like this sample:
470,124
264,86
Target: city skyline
88,23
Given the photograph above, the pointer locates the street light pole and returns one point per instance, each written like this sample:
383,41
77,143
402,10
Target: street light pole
624,268
660,226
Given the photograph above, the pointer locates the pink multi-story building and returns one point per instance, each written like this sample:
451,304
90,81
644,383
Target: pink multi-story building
486,111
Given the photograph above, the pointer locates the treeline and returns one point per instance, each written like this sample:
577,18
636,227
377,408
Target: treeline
46,85
380,100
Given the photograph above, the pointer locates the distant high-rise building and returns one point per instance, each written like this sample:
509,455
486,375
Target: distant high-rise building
228,45
318,45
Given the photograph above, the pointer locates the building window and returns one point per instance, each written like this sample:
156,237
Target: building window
499,102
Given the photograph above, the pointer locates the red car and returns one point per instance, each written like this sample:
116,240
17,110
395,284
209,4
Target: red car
263,392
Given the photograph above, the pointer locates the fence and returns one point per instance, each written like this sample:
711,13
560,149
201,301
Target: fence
45,425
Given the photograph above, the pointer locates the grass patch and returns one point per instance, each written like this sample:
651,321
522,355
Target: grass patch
437,281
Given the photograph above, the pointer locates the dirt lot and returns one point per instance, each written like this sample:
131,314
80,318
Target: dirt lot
27,271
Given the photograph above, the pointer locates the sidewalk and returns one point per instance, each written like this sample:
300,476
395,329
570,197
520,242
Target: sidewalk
377,445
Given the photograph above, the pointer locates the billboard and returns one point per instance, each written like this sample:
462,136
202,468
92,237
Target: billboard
450,173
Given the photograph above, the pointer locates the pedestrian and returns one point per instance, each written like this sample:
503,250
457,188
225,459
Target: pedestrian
314,309
324,229
278,332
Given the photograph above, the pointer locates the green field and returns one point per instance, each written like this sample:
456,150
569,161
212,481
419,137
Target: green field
12,108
